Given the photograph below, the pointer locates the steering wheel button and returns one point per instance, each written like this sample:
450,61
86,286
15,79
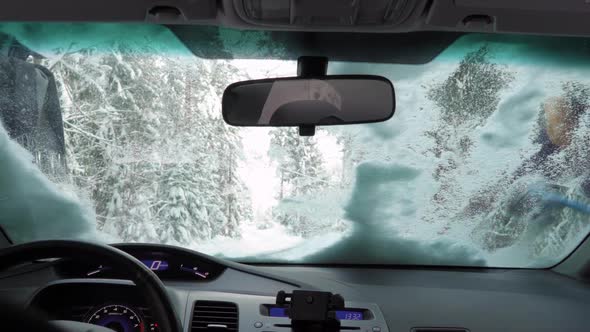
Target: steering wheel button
258,325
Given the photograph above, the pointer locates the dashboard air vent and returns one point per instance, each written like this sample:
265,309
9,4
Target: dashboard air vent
214,315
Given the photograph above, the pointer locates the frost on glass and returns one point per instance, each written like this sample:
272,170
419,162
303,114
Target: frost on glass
484,163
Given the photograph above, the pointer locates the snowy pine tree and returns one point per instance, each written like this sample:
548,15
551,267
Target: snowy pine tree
233,192
140,130
301,172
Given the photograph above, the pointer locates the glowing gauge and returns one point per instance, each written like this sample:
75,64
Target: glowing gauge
117,318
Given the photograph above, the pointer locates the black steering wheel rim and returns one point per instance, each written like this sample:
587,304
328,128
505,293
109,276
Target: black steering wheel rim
146,280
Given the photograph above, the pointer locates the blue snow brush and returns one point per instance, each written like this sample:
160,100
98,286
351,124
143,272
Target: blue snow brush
556,199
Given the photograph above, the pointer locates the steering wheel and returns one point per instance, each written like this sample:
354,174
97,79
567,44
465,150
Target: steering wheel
145,280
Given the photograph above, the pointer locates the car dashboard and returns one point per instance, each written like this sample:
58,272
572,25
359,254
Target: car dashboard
211,294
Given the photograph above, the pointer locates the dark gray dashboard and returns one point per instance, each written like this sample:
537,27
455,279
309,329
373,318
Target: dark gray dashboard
400,299
476,299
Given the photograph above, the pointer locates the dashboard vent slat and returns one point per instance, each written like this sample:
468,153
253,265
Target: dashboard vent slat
213,312
215,315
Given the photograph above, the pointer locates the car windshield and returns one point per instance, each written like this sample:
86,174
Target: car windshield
113,133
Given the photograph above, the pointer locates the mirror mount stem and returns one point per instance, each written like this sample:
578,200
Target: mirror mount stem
306,130
311,66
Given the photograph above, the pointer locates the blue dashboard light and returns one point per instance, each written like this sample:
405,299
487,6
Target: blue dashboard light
155,265
340,314
277,312
349,315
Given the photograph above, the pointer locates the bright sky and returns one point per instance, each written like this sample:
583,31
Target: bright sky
258,171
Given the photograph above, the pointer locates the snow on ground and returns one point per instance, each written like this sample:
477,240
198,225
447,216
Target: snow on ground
270,244
253,242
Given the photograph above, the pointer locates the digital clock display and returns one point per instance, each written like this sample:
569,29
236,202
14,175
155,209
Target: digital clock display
340,314
349,315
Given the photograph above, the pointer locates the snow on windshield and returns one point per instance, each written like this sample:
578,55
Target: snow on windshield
484,162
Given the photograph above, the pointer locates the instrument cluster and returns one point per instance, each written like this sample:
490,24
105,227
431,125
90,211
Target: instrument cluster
118,307
121,318
115,303
166,262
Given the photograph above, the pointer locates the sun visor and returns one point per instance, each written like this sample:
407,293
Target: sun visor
563,17
403,48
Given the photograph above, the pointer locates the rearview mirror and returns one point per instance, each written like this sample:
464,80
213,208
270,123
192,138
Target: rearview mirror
304,101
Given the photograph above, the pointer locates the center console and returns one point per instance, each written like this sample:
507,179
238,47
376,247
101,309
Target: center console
261,313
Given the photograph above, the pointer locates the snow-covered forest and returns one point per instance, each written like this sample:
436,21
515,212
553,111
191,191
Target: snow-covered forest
146,143
147,149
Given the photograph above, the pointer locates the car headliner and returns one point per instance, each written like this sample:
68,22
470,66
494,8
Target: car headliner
564,17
